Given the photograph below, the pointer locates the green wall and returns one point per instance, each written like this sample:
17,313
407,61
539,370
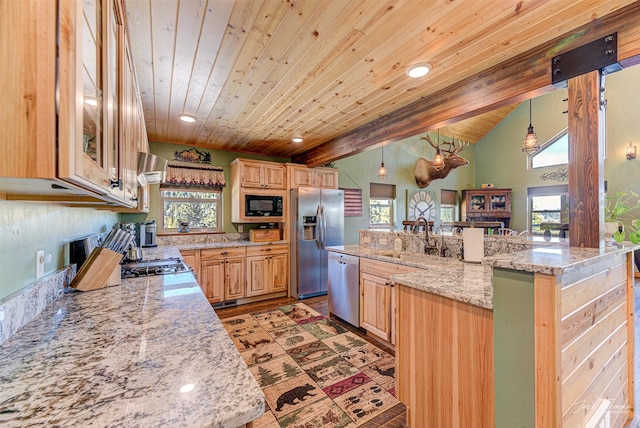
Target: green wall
218,158
499,159
360,170
27,227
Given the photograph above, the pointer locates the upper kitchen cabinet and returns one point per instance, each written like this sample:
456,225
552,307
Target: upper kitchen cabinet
301,176
261,174
65,127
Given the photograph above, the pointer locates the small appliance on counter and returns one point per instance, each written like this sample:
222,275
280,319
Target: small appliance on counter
146,234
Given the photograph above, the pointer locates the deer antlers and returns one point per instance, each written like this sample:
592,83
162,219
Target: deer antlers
450,148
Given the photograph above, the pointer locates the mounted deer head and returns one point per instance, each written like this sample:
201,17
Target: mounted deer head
425,173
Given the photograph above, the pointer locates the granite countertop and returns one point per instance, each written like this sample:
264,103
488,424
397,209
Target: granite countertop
150,352
558,260
445,276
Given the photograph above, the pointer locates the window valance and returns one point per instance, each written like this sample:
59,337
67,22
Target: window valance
194,174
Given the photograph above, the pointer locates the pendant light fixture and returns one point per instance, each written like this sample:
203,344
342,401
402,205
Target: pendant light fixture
438,160
382,171
530,143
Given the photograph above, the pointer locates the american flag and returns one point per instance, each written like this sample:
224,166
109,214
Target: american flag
352,202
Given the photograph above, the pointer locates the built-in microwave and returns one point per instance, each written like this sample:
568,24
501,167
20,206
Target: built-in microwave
262,206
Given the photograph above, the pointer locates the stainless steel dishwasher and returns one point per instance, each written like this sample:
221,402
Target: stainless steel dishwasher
344,287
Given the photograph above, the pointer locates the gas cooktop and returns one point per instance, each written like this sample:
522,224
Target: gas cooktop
153,267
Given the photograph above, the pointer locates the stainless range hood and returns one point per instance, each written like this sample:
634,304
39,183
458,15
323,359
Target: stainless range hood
152,169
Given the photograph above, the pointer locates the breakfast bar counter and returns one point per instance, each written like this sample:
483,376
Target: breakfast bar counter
150,352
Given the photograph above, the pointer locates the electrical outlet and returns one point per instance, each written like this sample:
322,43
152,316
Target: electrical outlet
39,264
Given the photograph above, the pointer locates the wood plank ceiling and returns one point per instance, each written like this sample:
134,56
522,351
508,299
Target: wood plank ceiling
257,73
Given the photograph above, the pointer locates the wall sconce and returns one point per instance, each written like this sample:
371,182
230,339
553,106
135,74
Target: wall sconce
631,152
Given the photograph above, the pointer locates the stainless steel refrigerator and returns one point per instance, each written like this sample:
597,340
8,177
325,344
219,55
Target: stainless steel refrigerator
317,222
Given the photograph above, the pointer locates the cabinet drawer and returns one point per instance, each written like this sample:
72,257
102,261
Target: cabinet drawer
384,269
262,250
217,253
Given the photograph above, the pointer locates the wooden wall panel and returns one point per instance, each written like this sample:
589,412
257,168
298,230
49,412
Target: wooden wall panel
582,292
444,359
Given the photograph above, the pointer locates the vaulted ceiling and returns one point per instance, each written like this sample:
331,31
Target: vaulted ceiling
257,73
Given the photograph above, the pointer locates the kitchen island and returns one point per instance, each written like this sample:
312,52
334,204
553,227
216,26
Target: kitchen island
546,339
150,352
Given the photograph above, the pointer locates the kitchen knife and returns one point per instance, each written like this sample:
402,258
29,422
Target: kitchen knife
125,245
117,240
107,240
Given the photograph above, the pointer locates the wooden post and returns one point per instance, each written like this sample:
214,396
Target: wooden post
586,162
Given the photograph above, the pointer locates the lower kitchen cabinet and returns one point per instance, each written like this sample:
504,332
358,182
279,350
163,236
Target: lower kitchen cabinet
192,259
378,298
267,268
222,273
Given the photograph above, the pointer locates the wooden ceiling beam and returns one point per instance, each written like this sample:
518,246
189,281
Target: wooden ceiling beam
515,80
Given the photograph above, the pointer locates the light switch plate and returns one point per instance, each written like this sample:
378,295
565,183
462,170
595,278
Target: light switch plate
39,264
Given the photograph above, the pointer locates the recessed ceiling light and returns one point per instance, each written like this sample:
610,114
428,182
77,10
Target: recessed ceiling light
297,139
418,70
187,117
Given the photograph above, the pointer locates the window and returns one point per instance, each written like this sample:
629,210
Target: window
448,205
548,209
553,152
381,204
201,208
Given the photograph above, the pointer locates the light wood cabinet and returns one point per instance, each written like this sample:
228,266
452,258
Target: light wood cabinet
267,268
301,176
489,204
78,146
192,259
222,273
378,299
260,174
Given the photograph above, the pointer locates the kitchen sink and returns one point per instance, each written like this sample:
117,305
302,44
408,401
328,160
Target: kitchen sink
416,258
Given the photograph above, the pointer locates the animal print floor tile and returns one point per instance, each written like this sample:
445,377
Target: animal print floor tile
382,372
262,354
365,402
252,341
297,339
314,372
330,370
292,394
275,371
278,323
345,343
299,312
267,420
321,414
366,355
310,352
346,385
324,328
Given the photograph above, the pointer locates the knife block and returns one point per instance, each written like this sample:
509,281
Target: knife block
98,270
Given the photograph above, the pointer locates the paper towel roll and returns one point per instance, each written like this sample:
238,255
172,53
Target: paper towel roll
473,241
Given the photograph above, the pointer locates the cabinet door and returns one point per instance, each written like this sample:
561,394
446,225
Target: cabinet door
192,259
212,282
274,176
279,267
257,271
251,174
234,280
301,176
375,305
326,178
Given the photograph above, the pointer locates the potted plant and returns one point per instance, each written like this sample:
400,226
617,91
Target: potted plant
619,211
